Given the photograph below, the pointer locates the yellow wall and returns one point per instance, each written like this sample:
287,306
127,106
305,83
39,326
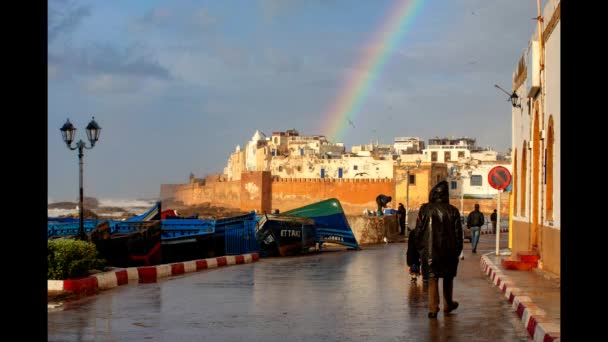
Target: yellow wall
550,252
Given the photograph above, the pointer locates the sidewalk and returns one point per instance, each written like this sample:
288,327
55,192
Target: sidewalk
535,296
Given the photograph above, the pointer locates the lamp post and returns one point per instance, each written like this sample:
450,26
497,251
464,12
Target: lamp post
68,132
407,190
513,97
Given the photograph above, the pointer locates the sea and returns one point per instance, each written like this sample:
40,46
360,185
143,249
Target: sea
135,206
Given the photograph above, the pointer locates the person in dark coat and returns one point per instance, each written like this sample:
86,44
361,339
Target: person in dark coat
401,218
413,257
439,241
475,220
382,201
493,218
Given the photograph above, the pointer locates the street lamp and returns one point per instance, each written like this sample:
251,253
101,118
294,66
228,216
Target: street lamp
68,132
407,189
512,97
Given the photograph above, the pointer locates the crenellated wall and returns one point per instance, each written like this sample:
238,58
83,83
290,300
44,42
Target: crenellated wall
256,190
355,195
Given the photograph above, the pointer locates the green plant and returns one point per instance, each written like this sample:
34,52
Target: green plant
69,258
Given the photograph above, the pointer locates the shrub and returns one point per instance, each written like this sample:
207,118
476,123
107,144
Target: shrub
69,258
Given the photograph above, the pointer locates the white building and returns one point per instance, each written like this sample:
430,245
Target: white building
404,145
536,143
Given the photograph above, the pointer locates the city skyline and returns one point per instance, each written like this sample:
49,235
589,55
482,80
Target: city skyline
176,86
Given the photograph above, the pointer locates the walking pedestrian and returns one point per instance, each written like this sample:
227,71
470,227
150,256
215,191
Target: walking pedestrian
401,218
493,220
413,257
474,221
439,239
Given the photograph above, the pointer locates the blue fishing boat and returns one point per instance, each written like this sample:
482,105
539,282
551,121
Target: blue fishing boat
128,243
226,228
68,227
187,239
330,222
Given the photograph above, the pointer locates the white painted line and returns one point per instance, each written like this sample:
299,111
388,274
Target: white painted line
132,274
106,280
163,271
211,262
190,266
248,258
55,285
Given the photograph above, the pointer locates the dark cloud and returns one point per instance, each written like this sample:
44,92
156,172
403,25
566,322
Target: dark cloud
64,16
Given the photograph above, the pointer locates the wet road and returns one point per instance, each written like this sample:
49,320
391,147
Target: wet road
331,296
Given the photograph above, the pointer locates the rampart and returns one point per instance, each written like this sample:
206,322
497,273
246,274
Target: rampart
258,190
355,195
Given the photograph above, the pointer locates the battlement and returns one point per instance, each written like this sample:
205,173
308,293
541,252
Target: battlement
331,180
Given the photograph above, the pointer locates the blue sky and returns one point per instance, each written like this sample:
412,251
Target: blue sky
177,85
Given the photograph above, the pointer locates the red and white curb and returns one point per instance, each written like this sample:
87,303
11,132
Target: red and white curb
145,274
539,327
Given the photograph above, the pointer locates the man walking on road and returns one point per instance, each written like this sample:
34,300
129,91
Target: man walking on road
474,221
439,240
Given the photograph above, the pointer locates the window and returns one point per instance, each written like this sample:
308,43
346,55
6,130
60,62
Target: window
476,180
453,185
447,156
356,167
412,180
460,154
433,156
280,168
299,168
276,140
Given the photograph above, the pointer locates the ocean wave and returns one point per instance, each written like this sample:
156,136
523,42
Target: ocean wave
135,206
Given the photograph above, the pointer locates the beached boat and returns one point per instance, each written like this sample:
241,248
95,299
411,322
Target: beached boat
128,243
187,239
285,235
180,238
228,226
68,227
150,215
330,222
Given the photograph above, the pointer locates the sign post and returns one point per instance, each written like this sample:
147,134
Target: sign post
499,178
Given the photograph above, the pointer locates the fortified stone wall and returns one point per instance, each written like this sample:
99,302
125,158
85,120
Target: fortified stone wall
256,191
355,195
220,193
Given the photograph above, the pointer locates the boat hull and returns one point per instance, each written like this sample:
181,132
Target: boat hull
331,225
281,235
128,244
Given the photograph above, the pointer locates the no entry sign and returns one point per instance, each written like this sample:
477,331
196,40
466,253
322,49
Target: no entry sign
499,177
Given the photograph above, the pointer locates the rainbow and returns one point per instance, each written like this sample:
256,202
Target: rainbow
345,108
